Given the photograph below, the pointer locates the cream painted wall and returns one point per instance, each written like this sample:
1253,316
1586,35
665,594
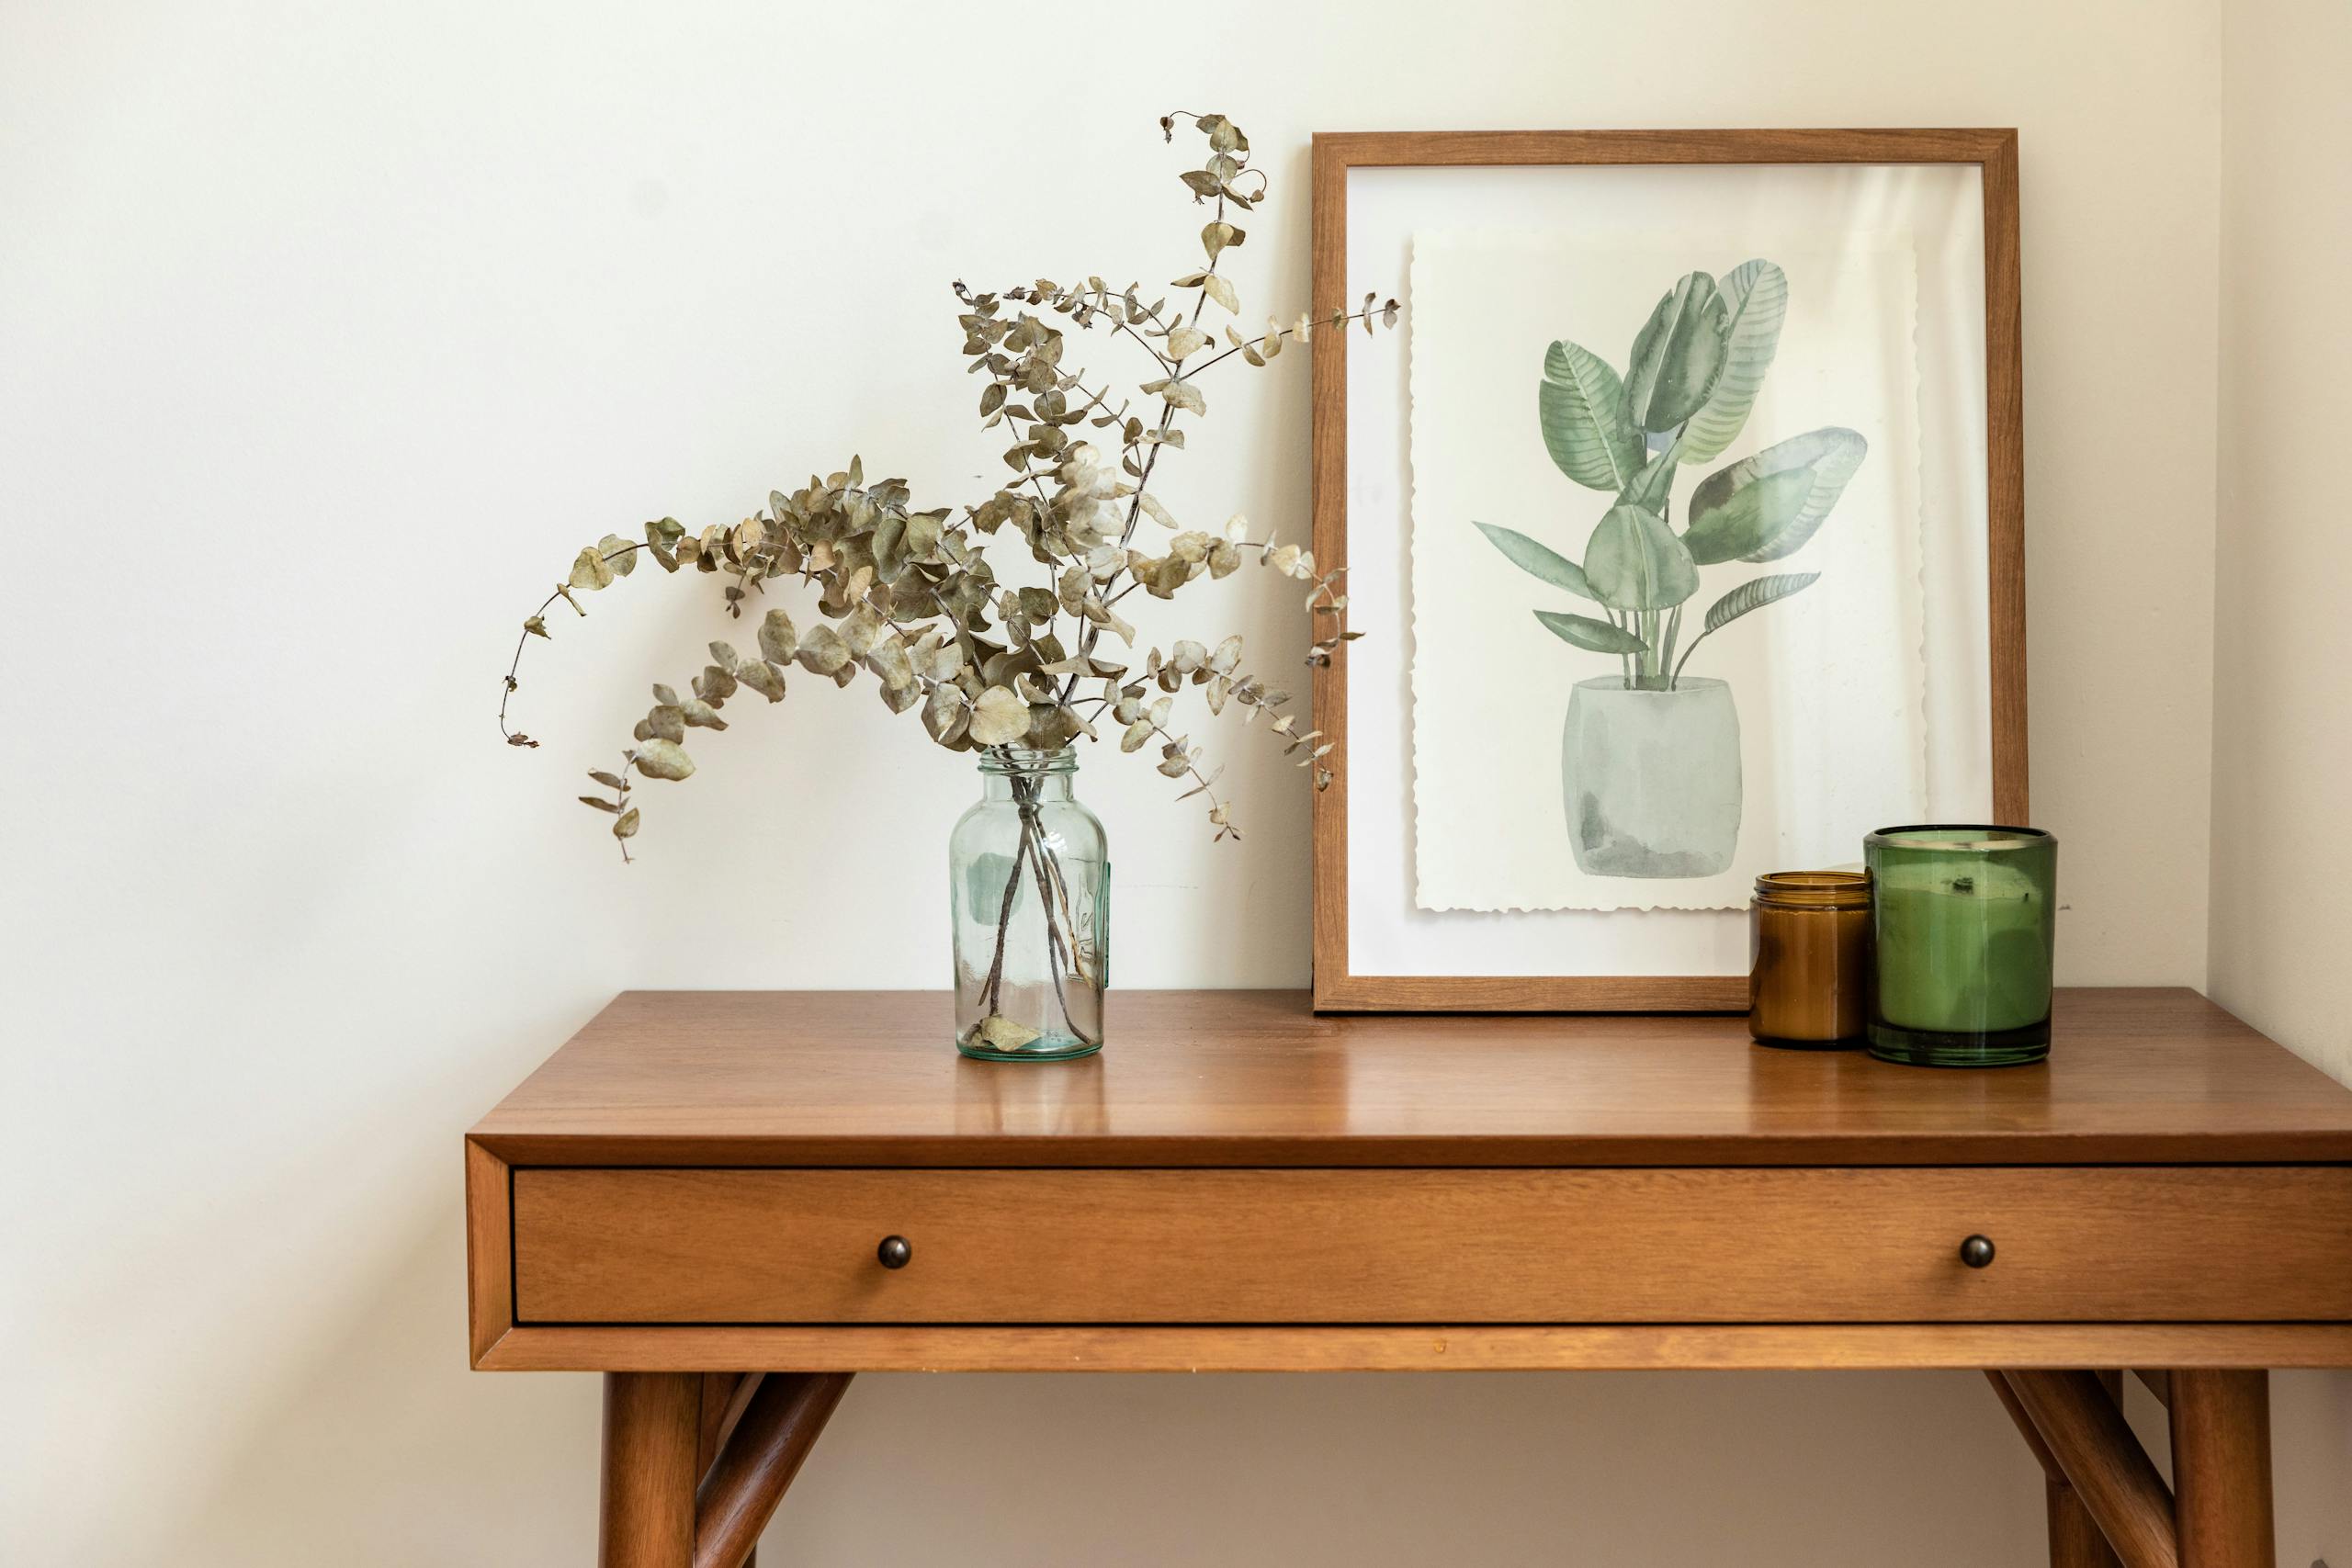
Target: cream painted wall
2281,911
326,332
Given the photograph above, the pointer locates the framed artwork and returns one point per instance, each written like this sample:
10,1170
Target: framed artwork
1687,534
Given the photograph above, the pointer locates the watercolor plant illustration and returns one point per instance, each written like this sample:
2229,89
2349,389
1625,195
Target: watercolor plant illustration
1649,756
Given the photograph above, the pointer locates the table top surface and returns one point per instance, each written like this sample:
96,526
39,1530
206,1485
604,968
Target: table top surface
1255,1079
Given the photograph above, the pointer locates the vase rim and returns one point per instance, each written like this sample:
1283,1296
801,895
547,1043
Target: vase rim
1028,762
1976,838
1617,683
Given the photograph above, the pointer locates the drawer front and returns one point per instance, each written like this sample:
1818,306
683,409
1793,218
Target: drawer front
2111,1243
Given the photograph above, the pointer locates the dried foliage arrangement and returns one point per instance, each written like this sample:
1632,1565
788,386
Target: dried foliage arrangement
912,597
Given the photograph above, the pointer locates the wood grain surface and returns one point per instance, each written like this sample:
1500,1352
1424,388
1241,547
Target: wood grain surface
2128,1242
1257,1078
1430,1348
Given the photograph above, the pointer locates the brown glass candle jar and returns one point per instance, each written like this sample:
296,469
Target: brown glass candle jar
1809,941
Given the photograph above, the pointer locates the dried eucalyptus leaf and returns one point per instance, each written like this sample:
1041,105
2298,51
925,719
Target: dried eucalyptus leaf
924,530
722,655
660,758
701,714
714,685
822,652
999,717
667,721
627,826
861,629
1137,734
1224,559
1185,342
610,781
589,571
779,640
946,715
663,694
889,662
1222,292
600,803
762,678
618,553
1000,1033
535,627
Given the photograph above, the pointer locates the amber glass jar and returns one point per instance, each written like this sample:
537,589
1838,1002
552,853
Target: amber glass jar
1809,942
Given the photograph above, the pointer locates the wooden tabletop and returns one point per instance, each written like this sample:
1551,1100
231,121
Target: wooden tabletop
1255,1079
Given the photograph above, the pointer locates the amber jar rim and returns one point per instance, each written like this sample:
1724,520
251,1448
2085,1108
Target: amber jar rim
1909,837
1813,890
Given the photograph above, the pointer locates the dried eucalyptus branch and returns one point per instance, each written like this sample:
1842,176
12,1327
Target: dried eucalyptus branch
910,596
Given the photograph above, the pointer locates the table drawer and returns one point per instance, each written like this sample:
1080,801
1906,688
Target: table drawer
2210,1242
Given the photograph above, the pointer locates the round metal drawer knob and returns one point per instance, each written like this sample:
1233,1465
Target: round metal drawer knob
1977,1251
895,1252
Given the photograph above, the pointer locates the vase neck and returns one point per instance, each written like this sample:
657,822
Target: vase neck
1019,773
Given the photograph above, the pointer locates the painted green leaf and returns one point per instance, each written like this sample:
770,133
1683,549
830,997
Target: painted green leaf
1634,562
1755,595
1677,354
1581,406
1764,507
1539,561
1586,632
1651,488
1756,295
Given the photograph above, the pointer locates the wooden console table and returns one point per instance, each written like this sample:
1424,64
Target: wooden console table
730,1202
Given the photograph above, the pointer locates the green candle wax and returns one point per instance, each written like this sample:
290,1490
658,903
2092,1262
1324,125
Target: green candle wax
1962,947
1963,920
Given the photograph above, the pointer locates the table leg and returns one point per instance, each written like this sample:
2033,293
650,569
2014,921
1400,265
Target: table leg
724,1397
652,1423
2075,1540
2091,1448
2221,1468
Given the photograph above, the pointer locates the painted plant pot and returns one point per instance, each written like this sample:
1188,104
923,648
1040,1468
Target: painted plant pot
1652,778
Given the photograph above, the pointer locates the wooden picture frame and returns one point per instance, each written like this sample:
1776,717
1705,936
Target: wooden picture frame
1995,154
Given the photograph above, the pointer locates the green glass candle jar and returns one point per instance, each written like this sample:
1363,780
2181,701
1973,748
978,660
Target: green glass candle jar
1965,923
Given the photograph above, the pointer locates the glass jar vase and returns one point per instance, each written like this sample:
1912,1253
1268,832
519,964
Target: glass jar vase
1029,878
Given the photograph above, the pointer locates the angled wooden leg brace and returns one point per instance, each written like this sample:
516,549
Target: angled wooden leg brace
694,1465
2219,1515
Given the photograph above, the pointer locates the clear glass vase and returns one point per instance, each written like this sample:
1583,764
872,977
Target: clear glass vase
1030,882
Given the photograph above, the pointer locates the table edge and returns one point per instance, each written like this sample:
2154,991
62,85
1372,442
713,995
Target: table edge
1397,1347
